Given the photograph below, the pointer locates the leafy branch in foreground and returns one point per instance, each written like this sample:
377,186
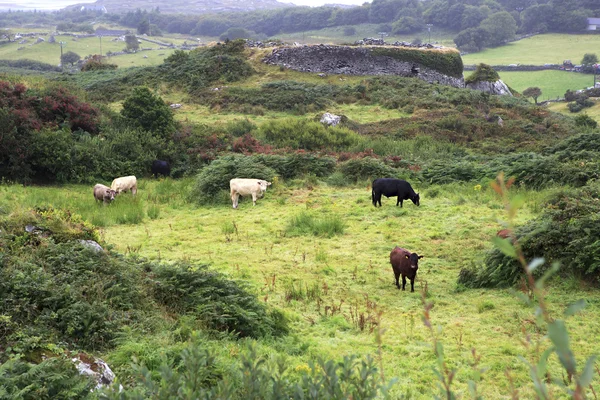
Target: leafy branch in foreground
556,328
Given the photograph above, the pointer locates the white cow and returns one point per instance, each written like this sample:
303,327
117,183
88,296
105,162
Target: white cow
244,187
124,184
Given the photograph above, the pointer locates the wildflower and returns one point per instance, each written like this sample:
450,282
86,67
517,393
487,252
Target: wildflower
477,187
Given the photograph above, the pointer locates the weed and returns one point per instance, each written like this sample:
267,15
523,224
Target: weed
308,224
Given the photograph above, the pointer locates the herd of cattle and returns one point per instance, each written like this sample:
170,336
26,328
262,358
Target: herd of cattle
404,263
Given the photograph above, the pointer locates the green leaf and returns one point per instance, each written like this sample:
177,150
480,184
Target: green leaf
588,372
557,332
575,308
543,362
505,246
517,202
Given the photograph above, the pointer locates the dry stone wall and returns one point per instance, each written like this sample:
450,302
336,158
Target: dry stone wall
354,61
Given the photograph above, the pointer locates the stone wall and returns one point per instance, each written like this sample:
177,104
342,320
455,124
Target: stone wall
354,61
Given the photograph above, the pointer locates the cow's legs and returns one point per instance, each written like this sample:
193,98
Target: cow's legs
253,199
403,282
134,190
234,199
412,285
397,276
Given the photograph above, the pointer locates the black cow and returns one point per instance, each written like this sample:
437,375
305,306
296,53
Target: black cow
160,168
393,187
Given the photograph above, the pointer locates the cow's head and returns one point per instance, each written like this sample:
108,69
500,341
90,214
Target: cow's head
263,184
110,194
414,260
415,199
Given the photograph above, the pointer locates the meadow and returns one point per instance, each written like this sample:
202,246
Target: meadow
338,289
550,48
554,84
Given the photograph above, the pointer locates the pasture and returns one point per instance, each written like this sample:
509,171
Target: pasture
550,48
553,83
333,283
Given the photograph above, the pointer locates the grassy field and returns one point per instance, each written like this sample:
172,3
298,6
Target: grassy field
593,111
553,83
350,273
550,48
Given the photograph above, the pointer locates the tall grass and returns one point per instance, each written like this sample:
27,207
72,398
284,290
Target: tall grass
422,148
308,224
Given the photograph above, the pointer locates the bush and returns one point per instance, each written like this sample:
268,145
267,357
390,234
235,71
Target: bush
483,73
214,178
297,164
584,120
307,135
366,168
566,232
148,111
95,63
221,304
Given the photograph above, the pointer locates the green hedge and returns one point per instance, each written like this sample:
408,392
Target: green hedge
447,62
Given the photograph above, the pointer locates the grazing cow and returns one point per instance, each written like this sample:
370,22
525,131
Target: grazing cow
244,187
160,167
406,264
393,187
124,184
104,193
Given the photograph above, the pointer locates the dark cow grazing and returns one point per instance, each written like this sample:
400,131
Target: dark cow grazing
104,193
406,264
160,167
390,187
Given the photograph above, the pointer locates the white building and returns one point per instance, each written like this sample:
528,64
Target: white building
593,24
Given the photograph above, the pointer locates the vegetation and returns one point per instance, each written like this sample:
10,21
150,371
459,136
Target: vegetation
533,92
483,73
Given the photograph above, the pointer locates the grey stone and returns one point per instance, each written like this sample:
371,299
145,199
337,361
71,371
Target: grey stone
92,244
330,119
497,88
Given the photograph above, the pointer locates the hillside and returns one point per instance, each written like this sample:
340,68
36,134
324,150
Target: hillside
187,7
292,298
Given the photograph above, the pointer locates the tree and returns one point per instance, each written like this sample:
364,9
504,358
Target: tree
501,26
533,92
349,31
143,27
149,112
236,33
70,58
132,43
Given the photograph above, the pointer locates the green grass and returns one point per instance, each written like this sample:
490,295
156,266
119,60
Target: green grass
562,108
350,271
553,83
551,48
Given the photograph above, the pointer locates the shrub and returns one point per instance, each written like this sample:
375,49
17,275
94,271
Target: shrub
308,224
221,304
483,73
567,232
585,121
215,177
148,111
298,164
307,135
366,168
95,63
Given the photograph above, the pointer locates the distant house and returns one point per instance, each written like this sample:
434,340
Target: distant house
593,24
94,7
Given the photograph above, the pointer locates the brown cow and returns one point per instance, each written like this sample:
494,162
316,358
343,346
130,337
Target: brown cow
406,264
104,193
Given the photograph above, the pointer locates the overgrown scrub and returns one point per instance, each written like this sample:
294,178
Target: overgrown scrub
256,377
54,378
307,135
221,304
366,168
215,178
309,224
447,62
566,232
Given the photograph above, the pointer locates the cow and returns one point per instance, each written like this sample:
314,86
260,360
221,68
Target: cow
124,184
244,187
406,264
160,167
393,187
104,193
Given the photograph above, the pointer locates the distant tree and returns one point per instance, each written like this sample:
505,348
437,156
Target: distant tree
533,92
407,25
501,26
132,43
70,58
537,18
9,35
417,40
143,27
472,17
455,15
349,31
589,58
472,39
148,111
236,33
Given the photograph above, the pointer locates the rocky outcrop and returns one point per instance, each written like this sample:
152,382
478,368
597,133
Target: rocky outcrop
330,119
354,61
498,87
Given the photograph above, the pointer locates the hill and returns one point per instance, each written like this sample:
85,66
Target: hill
187,7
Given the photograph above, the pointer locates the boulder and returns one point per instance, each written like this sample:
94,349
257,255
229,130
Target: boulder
330,119
498,87
94,367
91,244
